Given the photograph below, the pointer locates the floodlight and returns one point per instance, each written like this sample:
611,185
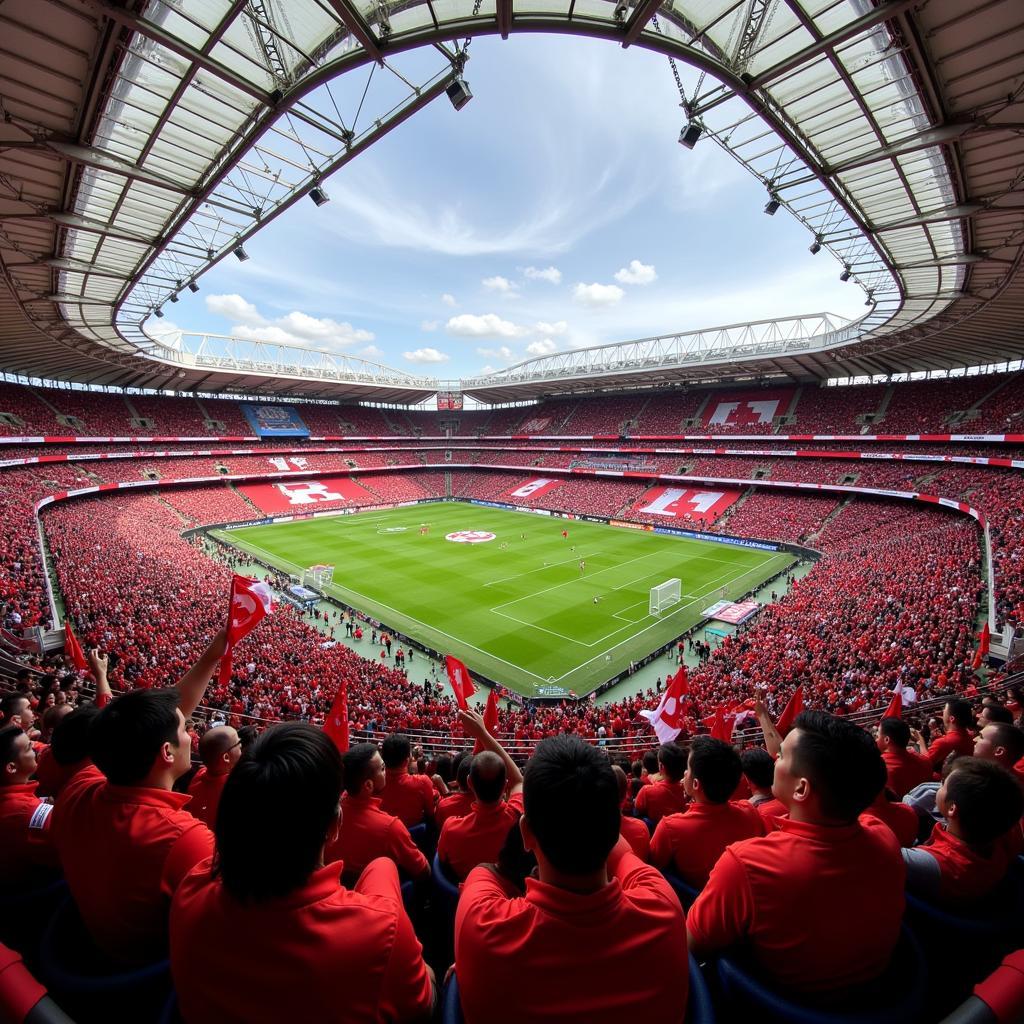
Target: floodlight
174,296
815,247
458,92
241,254
159,313
870,300
773,204
846,274
193,287
690,134
319,196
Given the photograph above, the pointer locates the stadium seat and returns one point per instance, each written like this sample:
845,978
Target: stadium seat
686,893
451,1007
446,892
898,997
25,912
88,983
409,897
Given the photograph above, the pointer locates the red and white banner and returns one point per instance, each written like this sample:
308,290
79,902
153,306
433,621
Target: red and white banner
250,603
462,682
667,717
534,488
689,505
292,495
747,408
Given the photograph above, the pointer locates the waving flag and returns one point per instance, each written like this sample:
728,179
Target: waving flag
490,718
792,709
462,684
250,603
73,649
895,708
336,723
667,717
722,725
983,644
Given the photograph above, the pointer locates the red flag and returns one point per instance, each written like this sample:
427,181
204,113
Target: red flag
983,644
490,719
250,602
895,708
336,723
73,649
723,725
792,709
462,684
667,717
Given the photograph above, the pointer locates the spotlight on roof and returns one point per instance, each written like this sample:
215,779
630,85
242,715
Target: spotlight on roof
159,313
241,254
458,92
319,196
846,274
690,134
772,206
193,287
815,247
174,296
870,300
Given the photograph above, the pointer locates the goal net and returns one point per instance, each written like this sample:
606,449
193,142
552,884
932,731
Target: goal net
664,595
318,576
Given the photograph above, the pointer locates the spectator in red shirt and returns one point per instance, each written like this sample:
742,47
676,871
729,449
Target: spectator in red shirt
366,832
903,767
666,796
633,830
25,841
124,837
691,842
520,956
477,838
991,713
411,798
1001,743
964,860
68,752
759,771
782,895
264,931
459,801
220,748
16,709
956,720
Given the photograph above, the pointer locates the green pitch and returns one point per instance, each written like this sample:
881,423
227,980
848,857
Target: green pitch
517,608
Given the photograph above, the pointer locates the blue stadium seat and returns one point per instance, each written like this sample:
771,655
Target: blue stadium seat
898,997
686,893
651,825
446,892
88,984
25,912
451,1007
409,897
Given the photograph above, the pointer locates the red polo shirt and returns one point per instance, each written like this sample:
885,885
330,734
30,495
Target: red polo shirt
797,899
367,833
900,818
955,741
906,770
659,799
534,957
25,839
966,874
323,953
771,810
409,797
693,841
456,805
205,790
124,850
637,835
52,776
477,838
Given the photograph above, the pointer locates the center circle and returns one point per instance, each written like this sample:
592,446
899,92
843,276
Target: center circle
469,537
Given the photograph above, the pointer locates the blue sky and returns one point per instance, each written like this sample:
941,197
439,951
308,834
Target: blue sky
555,211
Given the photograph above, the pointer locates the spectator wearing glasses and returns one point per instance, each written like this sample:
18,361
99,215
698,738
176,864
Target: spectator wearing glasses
220,748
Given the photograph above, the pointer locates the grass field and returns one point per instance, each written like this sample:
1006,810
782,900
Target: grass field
516,608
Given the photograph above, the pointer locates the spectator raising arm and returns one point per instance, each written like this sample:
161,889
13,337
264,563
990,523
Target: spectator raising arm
98,662
474,726
193,683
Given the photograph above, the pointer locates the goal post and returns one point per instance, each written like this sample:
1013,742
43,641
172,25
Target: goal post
318,576
664,595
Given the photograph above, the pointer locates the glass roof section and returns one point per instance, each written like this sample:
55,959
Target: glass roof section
223,113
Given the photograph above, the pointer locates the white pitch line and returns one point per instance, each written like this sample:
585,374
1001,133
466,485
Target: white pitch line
543,568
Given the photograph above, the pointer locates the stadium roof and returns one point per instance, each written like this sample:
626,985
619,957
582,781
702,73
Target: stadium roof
142,142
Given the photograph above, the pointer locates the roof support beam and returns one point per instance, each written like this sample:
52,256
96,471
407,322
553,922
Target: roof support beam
503,12
642,14
958,212
354,22
90,157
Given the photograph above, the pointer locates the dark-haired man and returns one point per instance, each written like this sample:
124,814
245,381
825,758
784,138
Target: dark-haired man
904,768
633,830
691,842
666,796
265,932
25,841
1001,743
966,856
124,837
16,709
220,748
957,718
411,798
759,771
460,801
367,832
782,895
477,838
530,957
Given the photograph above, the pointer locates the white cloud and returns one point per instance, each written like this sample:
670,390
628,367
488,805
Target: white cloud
598,294
371,352
499,284
636,273
559,327
234,307
487,370
448,299
497,353
486,325
544,347
426,355
429,325
550,274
